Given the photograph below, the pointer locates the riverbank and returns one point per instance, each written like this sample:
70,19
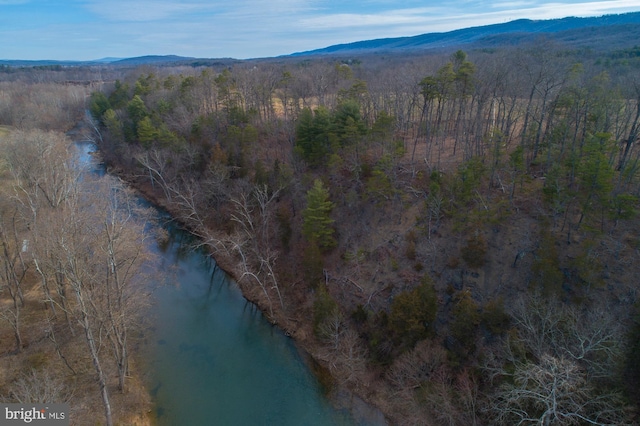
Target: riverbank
39,361
298,327
43,349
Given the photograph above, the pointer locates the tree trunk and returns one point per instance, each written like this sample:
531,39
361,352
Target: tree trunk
93,350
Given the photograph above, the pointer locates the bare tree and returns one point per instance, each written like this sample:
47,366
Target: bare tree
561,367
85,238
43,166
554,391
45,176
155,161
590,335
39,387
48,263
99,252
417,366
13,270
122,250
76,250
254,214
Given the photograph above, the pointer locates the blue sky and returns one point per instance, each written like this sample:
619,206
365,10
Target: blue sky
93,29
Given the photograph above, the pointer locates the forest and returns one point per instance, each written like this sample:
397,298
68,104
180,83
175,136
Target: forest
72,262
452,236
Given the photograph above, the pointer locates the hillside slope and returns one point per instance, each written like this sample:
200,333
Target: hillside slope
617,30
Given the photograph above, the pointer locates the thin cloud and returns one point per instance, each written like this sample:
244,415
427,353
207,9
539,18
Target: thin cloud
441,19
512,4
346,20
86,29
146,10
150,10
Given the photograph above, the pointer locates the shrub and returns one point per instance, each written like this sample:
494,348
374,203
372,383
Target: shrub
283,217
410,249
312,264
324,308
632,361
475,252
413,314
494,317
547,274
466,318
360,315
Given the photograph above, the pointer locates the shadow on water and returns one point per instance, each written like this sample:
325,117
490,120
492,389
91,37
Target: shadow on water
212,357
220,361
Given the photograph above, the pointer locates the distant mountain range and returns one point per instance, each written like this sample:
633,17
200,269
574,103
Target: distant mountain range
121,62
598,33
608,32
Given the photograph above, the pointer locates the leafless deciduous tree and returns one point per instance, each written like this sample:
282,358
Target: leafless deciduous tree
122,253
89,241
415,367
554,391
345,353
48,106
39,170
254,214
101,254
39,387
43,166
45,176
13,270
560,367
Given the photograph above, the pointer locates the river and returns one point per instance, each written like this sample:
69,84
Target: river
213,359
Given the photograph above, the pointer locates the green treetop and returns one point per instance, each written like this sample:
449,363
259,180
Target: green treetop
317,224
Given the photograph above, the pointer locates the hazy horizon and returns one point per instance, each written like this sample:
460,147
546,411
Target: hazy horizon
86,30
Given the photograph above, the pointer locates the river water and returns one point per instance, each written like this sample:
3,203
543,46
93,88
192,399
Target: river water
213,359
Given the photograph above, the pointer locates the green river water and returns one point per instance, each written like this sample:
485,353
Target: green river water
213,359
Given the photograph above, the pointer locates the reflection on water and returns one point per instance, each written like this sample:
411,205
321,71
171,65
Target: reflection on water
216,360
213,359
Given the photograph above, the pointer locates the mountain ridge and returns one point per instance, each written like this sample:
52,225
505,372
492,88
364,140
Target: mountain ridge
610,31
562,29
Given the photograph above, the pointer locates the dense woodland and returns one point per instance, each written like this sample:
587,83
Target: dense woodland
72,256
454,236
